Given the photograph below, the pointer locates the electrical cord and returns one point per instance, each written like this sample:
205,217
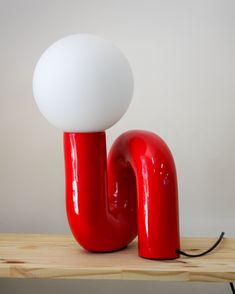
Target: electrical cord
232,287
206,252
203,253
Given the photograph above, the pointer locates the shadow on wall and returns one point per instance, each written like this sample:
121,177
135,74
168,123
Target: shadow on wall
22,286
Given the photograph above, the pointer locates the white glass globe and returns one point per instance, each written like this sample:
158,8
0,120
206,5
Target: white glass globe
83,83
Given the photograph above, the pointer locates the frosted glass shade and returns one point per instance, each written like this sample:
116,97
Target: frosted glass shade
83,83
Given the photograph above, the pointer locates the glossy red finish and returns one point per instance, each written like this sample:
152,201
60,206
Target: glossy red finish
141,185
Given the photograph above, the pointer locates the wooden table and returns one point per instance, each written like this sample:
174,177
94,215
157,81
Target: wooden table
60,257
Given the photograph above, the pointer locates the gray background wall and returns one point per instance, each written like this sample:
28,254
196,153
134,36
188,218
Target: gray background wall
182,55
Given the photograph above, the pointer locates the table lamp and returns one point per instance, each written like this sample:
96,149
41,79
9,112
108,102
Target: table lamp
83,85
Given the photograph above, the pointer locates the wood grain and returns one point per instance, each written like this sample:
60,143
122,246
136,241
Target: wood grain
60,257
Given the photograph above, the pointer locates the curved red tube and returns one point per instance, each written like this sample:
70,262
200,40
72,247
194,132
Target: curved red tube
141,187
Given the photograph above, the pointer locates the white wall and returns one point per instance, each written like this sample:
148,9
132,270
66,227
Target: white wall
182,54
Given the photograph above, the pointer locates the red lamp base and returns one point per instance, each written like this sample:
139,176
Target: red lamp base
106,199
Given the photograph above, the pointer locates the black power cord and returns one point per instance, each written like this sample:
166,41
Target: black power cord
206,252
232,287
203,253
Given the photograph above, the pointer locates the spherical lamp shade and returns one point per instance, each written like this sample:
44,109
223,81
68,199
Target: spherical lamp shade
83,83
